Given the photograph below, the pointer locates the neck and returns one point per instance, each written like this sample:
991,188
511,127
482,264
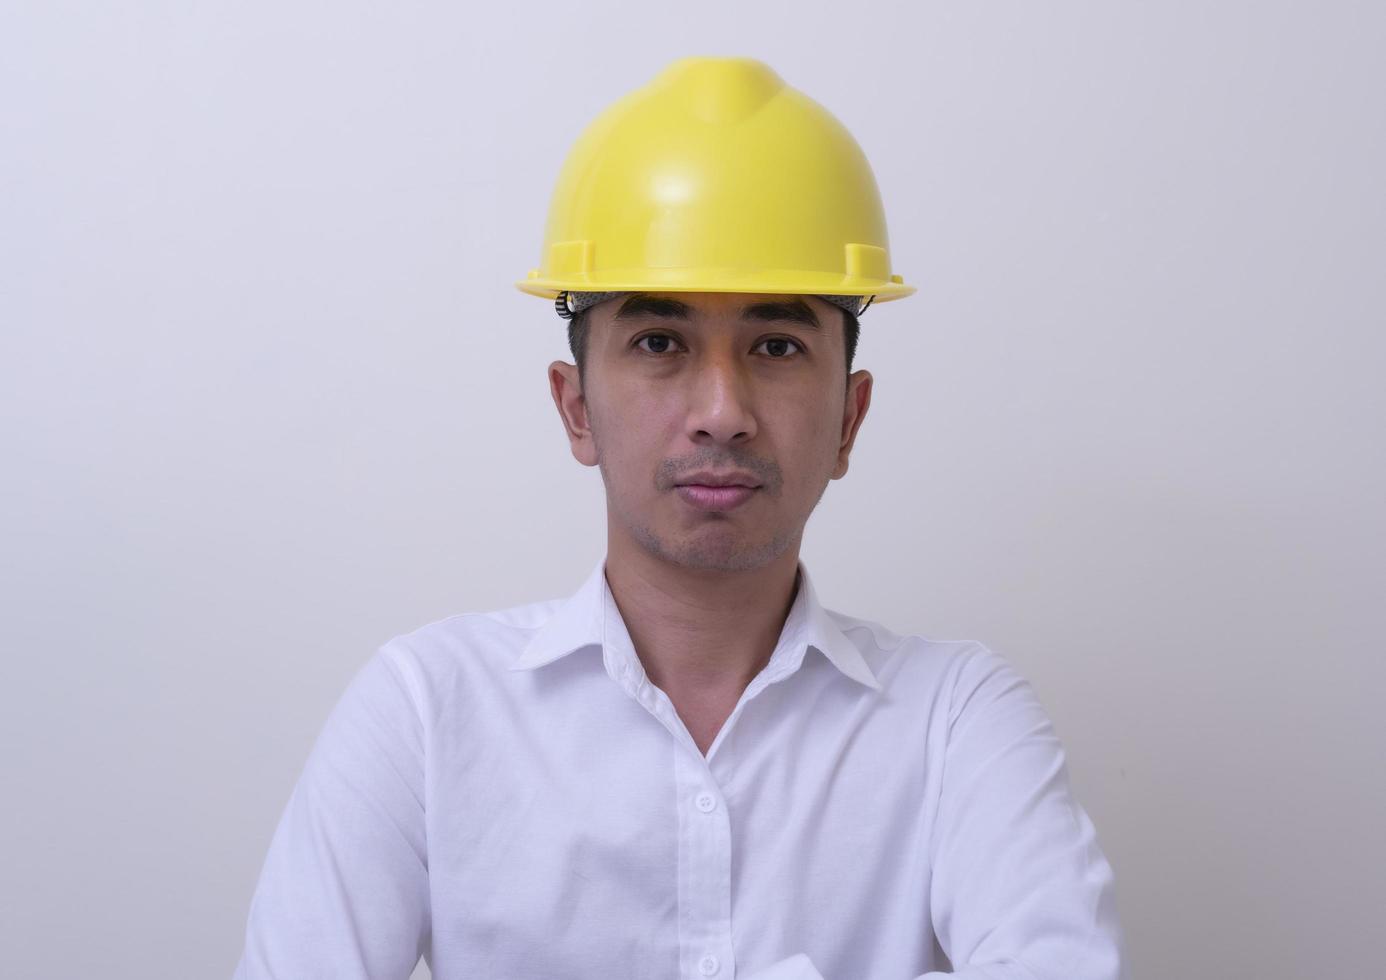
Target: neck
701,634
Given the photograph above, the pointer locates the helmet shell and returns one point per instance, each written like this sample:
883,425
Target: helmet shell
716,177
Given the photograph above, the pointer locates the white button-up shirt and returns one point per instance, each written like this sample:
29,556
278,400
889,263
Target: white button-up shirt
508,795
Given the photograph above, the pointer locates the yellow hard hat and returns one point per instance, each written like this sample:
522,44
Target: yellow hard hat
716,177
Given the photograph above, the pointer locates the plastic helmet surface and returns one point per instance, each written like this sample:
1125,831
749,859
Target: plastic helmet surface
716,177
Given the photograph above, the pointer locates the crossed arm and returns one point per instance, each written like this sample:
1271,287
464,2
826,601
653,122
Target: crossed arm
1020,889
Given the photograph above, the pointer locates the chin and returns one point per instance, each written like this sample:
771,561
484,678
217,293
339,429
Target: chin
715,548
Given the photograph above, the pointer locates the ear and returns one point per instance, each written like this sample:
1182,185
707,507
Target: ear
572,408
854,406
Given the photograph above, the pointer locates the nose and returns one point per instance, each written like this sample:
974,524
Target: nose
719,401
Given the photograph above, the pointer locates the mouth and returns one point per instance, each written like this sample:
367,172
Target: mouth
708,478
715,498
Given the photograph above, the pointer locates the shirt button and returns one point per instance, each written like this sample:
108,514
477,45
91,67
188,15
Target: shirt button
707,803
708,965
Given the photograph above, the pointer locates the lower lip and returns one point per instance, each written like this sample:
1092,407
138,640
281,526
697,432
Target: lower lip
715,498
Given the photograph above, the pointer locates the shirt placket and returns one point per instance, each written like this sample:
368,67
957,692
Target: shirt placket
704,822
704,828
704,839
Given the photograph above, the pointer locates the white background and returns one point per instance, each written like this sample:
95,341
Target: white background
270,398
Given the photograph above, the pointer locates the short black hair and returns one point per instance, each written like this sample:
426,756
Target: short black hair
578,325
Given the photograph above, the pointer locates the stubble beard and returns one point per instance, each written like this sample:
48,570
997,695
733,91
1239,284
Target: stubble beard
717,545
720,548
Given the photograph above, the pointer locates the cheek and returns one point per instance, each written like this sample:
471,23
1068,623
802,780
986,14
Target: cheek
635,429
826,439
817,432
805,446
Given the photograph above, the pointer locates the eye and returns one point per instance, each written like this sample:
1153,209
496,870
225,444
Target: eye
661,346
778,348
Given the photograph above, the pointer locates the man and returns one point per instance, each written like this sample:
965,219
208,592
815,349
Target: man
691,768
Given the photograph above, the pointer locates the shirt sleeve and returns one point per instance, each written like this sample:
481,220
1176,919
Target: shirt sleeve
344,889
1020,888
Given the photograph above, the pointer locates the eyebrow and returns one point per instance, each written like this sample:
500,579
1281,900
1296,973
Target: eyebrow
794,310
640,305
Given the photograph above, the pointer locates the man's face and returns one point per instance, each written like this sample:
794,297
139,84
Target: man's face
747,387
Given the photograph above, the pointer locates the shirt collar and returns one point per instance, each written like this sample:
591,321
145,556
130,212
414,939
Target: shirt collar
590,617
